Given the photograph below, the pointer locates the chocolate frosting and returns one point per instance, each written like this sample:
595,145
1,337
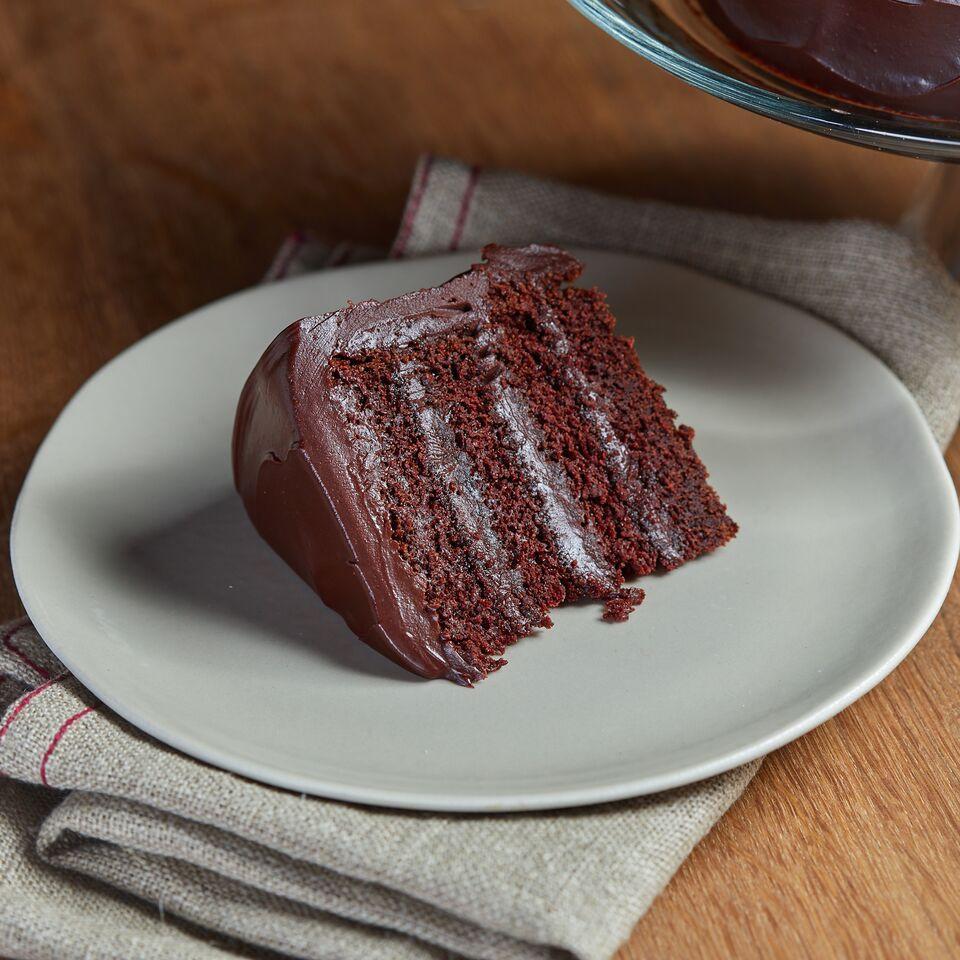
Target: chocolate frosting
903,55
304,459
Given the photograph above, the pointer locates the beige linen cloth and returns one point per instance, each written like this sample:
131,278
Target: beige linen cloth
114,846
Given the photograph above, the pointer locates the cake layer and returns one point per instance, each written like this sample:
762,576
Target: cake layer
446,467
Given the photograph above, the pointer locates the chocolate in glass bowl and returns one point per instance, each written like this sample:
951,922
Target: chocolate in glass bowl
896,55
885,79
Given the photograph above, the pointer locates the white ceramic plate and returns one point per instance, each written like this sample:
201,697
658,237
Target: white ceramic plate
138,566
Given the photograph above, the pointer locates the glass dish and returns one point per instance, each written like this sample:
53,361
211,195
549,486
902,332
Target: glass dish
653,30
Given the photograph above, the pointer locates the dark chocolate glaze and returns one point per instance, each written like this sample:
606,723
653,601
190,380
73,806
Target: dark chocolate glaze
899,55
302,458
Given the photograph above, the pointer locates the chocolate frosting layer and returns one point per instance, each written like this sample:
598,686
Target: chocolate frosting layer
304,459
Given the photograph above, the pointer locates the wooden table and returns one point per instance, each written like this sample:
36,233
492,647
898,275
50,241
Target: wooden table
153,156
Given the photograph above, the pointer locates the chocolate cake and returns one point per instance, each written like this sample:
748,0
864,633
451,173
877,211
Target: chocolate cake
446,467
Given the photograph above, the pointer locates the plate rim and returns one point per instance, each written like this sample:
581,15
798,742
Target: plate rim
556,798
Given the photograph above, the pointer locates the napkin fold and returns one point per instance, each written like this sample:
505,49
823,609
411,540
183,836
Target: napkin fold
113,845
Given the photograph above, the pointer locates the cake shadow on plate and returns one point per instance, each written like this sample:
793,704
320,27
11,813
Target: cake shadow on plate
211,559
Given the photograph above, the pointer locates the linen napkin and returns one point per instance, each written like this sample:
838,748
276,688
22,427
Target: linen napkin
113,845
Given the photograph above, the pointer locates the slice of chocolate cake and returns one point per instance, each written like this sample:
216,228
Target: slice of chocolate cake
446,467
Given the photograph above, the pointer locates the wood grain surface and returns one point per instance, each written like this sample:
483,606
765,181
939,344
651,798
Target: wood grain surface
154,154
